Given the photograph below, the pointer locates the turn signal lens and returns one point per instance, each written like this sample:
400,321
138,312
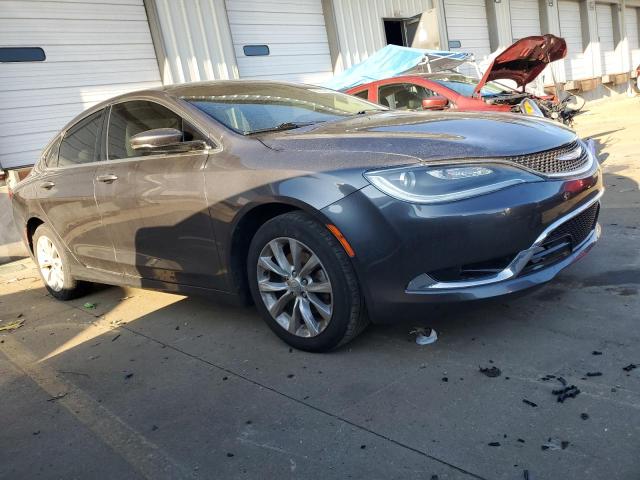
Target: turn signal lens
343,241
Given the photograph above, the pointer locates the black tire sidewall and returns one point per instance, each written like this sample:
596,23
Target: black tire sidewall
70,288
346,301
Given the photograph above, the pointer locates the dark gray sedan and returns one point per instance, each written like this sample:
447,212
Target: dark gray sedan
326,210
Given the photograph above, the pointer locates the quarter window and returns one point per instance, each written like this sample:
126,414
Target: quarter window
403,96
364,94
80,144
130,118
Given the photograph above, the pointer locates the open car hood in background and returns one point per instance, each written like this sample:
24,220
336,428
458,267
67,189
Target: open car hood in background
523,61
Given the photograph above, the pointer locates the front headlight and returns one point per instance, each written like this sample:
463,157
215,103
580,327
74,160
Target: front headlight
529,107
446,183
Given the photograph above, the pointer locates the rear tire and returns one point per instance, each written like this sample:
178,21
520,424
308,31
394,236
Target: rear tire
317,307
53,265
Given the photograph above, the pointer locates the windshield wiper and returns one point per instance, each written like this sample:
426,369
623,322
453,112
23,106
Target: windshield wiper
282,126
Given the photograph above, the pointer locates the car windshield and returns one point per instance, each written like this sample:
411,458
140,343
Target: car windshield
466,85
253,107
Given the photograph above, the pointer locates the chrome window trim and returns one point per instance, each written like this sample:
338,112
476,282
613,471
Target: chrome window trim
425,282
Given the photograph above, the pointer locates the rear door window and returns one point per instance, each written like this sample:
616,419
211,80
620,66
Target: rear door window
82,141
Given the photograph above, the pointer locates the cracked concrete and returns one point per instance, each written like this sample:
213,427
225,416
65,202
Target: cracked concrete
153,385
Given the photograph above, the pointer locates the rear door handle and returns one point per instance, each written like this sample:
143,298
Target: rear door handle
47,185
109,178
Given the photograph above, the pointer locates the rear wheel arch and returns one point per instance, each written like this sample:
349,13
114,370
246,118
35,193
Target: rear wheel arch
32,224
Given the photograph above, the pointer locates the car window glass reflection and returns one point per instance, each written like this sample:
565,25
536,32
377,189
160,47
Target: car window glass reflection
130,118
79,144
404,96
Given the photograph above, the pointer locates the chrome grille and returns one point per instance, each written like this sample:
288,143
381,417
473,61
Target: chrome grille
547,162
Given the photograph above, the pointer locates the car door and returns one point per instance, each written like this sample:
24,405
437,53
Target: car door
403,96
153,204
66,194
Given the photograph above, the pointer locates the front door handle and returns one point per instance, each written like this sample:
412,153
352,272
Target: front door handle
109,178
47,185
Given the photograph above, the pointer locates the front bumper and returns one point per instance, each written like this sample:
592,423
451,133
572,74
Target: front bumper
398,245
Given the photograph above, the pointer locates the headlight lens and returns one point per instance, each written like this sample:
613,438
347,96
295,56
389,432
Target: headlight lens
529,107
447,183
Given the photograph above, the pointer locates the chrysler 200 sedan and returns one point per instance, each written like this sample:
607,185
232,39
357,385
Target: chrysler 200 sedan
326,210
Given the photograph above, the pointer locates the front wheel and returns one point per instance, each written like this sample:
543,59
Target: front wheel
304,285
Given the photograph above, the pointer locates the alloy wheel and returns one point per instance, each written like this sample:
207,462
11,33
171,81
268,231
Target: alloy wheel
50,263
295,287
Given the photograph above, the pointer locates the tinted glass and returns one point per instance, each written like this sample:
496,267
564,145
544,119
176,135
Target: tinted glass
22,54
80,144
249,108
403,96
364,94
130,118
50,157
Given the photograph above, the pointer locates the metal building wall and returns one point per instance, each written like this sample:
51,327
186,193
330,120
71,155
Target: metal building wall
195,40
360,28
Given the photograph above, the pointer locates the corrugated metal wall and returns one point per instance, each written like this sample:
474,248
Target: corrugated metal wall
94,50
360,26
196,40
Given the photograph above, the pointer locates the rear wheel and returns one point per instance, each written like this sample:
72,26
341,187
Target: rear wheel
303,284
53,265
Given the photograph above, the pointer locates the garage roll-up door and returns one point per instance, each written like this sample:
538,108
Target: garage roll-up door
610,59
280,40
525,18
94,50
467,23
575,65
631,20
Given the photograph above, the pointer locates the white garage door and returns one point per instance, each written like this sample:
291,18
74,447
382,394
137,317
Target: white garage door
609,58
525,18
575,65
294,33
467,23
631,22
94,50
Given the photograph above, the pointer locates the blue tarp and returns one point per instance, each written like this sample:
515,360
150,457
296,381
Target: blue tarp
390,61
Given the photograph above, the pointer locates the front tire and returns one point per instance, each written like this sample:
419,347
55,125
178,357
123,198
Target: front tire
53,265
303,284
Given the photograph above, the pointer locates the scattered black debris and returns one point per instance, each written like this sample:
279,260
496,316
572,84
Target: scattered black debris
291,375
596,352
128,376
362,447
584,416
291,350
564,444
504,436
248,422
229,454
177,327
306,397
434,477
562,381
445,379
594,374
20,315
225,378
154,428
494,444
529,402
555,444
525,474
115,338
521,440
630,367
37,432
57,397
507,378
614,390
568,392
491,372
546,378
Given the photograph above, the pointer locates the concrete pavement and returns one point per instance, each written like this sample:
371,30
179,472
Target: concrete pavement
153,385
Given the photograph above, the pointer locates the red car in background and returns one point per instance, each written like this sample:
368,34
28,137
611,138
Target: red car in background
521,63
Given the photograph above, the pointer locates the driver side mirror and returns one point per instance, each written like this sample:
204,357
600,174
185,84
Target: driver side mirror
164,140
436,102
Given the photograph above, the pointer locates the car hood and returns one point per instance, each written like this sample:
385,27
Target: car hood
523,61
420,136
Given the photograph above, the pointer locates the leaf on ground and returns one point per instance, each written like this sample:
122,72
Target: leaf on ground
89,306
11,326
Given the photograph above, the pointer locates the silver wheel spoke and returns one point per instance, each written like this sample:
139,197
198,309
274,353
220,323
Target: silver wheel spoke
268,264
50,263
310,266
323,308
276,308
307,316
267,286
319,287
278,253
296,252
295,317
